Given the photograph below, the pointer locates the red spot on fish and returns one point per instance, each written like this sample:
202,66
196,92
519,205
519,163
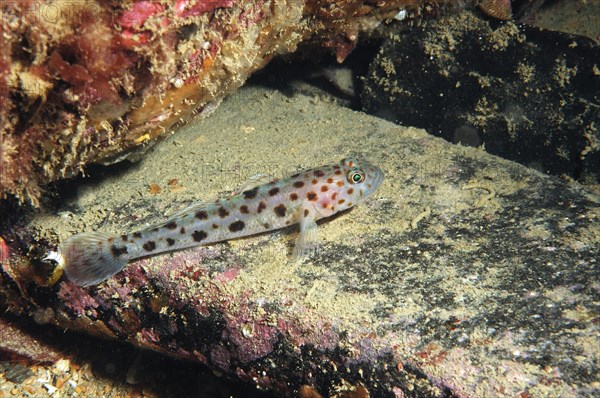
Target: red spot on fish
280,210
223,212
201,215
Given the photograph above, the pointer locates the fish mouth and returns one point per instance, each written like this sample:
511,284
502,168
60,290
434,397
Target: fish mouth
377,176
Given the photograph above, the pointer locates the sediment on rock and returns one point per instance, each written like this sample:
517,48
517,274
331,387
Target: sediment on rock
464,275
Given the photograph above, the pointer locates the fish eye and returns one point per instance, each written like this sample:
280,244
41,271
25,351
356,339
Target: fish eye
356,177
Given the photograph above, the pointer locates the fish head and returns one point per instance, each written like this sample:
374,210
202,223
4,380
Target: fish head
344,185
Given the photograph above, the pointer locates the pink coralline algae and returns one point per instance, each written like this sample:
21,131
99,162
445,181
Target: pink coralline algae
135,275
139,13
187,8
227,275
77,300
90,64
150,335
254,339
132,23
320,334
183,266
220,357
119,287
4,251
252,335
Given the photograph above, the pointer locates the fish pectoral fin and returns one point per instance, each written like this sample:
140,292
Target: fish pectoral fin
307,243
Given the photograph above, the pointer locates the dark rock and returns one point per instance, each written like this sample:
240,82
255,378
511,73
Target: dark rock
526,94
17,373
16,341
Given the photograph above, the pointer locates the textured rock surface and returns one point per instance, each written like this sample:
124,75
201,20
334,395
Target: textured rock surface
528,95
465,275
91,81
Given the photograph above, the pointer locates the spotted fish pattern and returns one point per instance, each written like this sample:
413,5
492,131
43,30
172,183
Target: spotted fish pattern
303,198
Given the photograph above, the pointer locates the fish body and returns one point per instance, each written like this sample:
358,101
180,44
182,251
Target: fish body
303,198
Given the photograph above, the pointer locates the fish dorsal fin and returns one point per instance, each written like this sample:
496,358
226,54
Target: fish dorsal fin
252,182
194,207
255,181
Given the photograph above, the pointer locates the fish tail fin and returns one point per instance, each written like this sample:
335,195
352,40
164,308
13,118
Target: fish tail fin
90,258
